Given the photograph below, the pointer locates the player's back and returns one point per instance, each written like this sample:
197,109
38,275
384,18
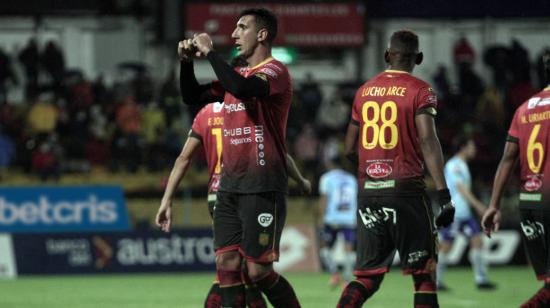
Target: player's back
385,107
340,188
457,172
531,129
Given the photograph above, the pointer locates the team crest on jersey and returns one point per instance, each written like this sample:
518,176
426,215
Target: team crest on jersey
263,239
379,170
533,184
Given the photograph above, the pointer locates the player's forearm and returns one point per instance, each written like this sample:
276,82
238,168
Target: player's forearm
293,171
176,175
502,175
233,82
193,93
433,157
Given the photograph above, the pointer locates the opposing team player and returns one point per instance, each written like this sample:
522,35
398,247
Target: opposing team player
529,141
392,136
251,204
338,203
459,182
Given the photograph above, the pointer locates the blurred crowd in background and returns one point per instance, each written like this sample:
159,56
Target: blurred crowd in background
69,124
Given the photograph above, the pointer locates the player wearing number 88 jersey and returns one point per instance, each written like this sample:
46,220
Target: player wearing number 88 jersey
392,136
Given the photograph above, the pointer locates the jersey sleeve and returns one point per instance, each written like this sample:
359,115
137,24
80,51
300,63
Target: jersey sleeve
355,113
323,185
426,101
276,75
197,127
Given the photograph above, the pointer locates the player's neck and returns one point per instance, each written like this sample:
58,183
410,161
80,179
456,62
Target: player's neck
259,56
400,68
462,156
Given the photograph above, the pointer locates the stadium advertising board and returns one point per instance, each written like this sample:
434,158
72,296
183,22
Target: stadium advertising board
62,209
7,258
119,252
123,252
300,24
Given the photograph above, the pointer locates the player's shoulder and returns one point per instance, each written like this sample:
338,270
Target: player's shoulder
210,109
272,67
540,99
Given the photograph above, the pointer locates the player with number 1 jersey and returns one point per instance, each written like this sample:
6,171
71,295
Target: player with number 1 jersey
390,158
207,127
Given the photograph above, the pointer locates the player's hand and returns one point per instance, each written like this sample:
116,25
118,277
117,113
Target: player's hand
447,211
491,220
203,44
186,50
305,185
164,216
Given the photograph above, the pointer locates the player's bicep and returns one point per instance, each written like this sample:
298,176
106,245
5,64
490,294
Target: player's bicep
191,146
425,126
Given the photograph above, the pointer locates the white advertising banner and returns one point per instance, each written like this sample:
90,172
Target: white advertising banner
7,259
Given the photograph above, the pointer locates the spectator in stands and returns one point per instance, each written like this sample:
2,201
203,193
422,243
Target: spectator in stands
42,117
333,115
53,61
126,142
311,97
45,161
7,152
6,75
30,59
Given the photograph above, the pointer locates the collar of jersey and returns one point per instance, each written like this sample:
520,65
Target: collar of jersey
261,63
396,71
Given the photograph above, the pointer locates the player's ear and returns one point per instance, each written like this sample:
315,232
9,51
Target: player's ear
419,58
262,35
387,56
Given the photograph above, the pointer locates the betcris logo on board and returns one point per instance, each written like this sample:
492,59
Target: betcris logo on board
62,209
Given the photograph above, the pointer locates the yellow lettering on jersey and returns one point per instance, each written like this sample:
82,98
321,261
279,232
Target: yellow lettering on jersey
215,121
523,120
384,91
539,116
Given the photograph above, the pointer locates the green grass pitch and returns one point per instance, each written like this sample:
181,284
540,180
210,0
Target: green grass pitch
516,284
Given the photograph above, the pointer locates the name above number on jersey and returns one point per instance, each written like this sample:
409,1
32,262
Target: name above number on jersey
372,114
384,91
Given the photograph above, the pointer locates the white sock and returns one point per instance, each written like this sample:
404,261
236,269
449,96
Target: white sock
479,265
441,267
326,257
349,264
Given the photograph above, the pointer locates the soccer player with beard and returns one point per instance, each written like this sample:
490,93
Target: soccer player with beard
251,204
392,136
529,142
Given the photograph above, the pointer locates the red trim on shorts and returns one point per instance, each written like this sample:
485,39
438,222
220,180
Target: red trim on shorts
372,272
227,248
269,256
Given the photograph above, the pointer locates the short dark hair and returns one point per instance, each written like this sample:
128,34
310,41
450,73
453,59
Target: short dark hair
404,42
462,140
264,18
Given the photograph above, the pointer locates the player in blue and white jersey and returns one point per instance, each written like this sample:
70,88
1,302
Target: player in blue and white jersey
459,181
338,202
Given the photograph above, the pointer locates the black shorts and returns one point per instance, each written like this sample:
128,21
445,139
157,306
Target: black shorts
389,223
251,223
536,239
